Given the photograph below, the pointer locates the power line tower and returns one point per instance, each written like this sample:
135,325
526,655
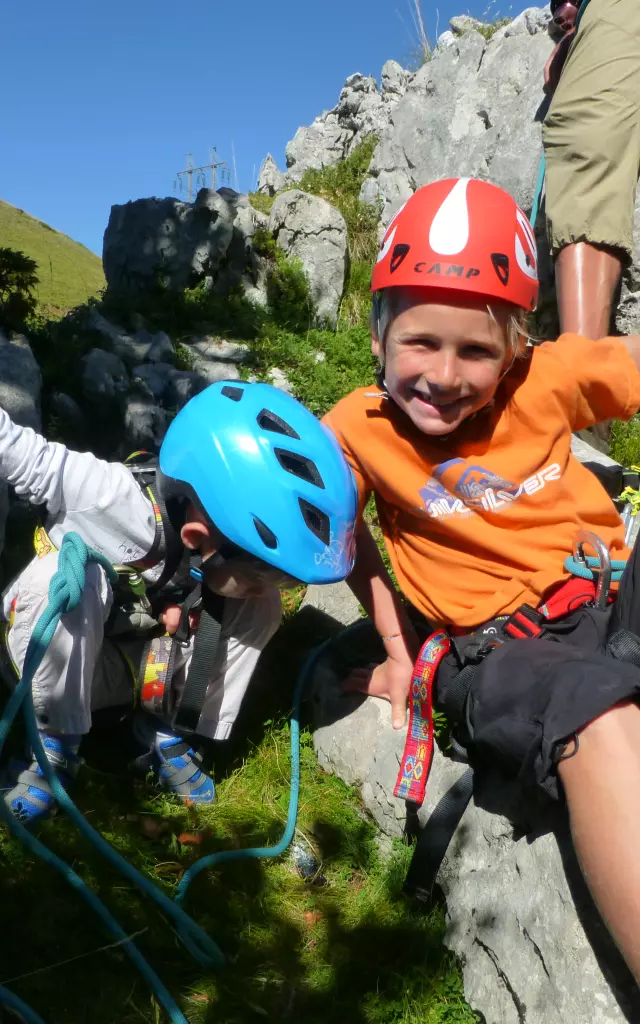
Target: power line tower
200,173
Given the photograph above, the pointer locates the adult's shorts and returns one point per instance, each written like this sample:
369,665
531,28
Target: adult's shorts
529,697
592,131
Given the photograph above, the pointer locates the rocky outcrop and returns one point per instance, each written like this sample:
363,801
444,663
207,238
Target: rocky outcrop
271,179
362,109
134,400
314,232
532,946
473,109
165,241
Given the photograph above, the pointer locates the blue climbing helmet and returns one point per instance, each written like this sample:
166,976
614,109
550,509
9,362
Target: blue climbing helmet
268,475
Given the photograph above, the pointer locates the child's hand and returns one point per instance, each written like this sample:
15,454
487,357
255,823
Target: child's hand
391,680
170,618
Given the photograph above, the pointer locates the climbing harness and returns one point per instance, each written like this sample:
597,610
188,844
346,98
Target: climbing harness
65,592
589,584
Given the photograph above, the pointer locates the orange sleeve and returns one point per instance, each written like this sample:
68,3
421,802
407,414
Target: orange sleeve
598,379
340,422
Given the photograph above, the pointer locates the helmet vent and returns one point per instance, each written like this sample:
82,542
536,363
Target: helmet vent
266,535
300,466
269,421
235,394
316,520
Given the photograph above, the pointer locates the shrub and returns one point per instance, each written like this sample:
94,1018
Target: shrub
18,279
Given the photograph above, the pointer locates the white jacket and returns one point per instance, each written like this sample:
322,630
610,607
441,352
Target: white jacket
99,500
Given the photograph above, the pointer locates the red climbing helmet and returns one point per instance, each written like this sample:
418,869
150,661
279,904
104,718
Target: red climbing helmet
461,234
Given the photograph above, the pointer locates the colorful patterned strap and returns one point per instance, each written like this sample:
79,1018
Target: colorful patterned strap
412,778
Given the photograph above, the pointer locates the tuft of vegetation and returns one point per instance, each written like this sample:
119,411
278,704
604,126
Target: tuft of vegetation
489,28
624,442
68,273
261,202
18,280
288,297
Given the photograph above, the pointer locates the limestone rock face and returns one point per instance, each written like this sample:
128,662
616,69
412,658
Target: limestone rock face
312,230
472,110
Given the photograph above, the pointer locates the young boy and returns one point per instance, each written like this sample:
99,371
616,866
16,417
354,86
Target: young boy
467,448
254,486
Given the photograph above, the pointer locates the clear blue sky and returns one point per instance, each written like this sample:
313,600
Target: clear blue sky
103,100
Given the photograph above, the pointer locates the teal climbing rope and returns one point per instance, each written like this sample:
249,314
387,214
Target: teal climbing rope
65,592
589,568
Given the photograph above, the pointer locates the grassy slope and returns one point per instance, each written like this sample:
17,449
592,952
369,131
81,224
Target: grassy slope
69,274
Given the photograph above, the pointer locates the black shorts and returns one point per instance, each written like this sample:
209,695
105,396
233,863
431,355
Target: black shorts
529,697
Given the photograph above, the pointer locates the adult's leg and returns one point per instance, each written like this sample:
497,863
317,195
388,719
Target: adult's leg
587,279
602,785
592,146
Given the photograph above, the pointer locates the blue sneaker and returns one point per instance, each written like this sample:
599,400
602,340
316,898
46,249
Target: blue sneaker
25,789
180,770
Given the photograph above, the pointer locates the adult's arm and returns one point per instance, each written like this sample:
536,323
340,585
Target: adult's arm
101,500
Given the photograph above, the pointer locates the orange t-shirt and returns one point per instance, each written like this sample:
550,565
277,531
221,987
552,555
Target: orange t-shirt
478,523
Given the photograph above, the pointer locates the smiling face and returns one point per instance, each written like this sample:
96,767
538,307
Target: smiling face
443,362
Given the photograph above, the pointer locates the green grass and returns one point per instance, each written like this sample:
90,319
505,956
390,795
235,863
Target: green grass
68,273
349,949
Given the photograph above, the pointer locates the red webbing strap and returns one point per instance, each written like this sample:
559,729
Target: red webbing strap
415,766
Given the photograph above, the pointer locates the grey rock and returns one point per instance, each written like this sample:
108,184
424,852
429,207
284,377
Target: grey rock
323,143
586,453
464,23
157,346
66,408
279,380
335,600
361,108
444,40
155,377
243,266
183,385
271,179
209,371
516,907
20,380
145,423
219,349
394,81
529,21
116,339
104,376
312,230
165,240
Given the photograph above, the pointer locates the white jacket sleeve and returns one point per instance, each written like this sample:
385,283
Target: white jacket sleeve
99,500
